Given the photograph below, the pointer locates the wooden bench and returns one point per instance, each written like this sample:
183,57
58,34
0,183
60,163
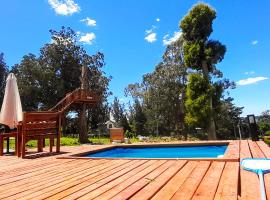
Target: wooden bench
39,126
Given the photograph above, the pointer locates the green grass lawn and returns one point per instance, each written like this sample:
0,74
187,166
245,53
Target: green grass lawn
65,141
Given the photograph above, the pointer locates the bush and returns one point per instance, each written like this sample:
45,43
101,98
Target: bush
267,133
129,134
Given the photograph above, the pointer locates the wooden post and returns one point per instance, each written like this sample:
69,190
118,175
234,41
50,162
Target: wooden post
83,130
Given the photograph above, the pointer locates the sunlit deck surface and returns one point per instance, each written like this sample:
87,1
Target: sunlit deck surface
52,178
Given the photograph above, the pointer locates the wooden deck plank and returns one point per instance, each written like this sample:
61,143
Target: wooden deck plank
266,151
38,182
244,149
115,190
39,171
249,186
149,190
175,183
48,177
81,178
264,148
209,184
54,184
8,173
192,182
97,192
228,185
132,189
30,183
98,183
233,150
255,150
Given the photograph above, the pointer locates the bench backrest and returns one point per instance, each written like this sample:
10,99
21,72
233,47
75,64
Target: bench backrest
41,122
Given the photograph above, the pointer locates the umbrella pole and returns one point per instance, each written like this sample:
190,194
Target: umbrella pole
262,189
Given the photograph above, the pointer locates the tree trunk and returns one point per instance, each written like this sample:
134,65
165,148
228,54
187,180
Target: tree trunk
83,135
211,128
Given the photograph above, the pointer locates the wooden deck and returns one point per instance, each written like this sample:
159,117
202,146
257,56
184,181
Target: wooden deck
52,178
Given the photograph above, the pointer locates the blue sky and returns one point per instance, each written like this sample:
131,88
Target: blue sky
133,35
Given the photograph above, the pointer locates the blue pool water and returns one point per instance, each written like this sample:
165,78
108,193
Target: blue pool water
162,152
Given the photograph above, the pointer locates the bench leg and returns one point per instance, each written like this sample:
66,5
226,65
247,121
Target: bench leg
40,145
58,144
1,145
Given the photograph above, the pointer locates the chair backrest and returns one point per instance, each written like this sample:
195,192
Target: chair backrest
41,122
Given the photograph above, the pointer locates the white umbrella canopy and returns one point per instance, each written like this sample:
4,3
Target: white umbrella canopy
11,111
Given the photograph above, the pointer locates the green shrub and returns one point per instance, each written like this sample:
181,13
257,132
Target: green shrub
129,134
267,133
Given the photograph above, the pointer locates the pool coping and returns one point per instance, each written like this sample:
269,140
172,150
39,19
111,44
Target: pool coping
231,154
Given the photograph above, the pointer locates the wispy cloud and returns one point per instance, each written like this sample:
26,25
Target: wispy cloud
64,7
150,30
169,40
87,38
249,72
249,81
157,19
152,37
89,22
254,42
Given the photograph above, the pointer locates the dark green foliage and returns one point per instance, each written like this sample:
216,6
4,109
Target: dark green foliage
45,80
3,76
119,115
197,103
32,80
228,119
158,101
264,121
197,25
202,54
139,119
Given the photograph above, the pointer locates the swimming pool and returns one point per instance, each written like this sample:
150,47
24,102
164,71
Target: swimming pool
211,151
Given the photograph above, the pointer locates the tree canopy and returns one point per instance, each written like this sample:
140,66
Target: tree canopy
45,79
3,76
202,54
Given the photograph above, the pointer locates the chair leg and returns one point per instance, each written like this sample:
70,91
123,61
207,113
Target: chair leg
16,146
58,144
23,147
1,145
51,144
19,144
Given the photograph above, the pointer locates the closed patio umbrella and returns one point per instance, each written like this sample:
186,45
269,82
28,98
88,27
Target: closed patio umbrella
11,111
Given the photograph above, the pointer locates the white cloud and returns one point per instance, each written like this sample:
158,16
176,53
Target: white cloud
157,19
249,72
254,42
87,38
64,7
89,22
249,81
175,37
152,37
150,30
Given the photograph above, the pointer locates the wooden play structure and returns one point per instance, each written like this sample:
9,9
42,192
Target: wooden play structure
47,124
